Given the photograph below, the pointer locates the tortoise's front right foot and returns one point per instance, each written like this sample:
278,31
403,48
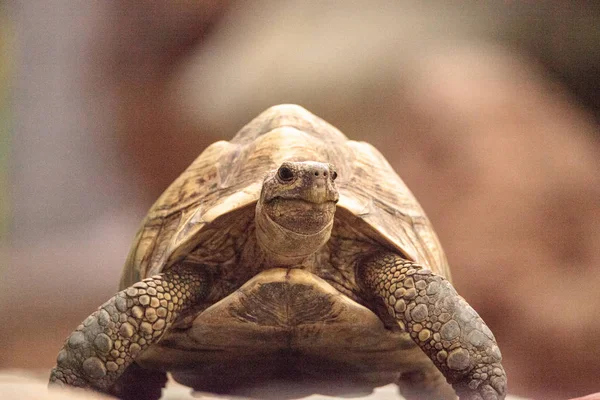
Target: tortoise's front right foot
441,323
97,353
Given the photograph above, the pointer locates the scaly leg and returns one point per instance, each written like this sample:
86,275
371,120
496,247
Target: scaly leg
97,353
441,322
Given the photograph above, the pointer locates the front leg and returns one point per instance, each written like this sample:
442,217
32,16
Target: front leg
441,322
97,353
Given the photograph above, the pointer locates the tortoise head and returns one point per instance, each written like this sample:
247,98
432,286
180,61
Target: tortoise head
294,215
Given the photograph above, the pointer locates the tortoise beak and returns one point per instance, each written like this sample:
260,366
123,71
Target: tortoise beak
320,192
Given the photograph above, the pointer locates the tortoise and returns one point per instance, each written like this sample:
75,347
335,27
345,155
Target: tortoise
289,254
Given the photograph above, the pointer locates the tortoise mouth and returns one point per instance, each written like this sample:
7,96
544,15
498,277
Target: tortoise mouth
295,201
300,215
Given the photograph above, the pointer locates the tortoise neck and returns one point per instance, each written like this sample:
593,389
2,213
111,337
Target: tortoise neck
283,247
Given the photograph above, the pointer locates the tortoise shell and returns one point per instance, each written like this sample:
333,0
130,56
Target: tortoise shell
305,323
227,177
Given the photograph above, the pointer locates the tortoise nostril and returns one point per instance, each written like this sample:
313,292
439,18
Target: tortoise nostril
320,172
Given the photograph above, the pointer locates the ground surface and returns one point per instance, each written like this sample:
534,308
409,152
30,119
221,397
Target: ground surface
24,385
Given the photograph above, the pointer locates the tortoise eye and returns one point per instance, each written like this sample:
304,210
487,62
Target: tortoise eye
333,175
285,174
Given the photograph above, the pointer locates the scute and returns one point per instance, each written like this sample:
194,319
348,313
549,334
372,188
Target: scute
228,176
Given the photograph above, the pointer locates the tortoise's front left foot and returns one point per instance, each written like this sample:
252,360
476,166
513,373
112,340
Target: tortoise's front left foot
441,322
97,353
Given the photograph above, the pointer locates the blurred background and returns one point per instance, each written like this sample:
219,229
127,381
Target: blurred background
490,113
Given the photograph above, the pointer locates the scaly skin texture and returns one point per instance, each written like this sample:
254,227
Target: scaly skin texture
441,322
98,352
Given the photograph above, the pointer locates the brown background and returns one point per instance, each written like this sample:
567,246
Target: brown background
490,114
